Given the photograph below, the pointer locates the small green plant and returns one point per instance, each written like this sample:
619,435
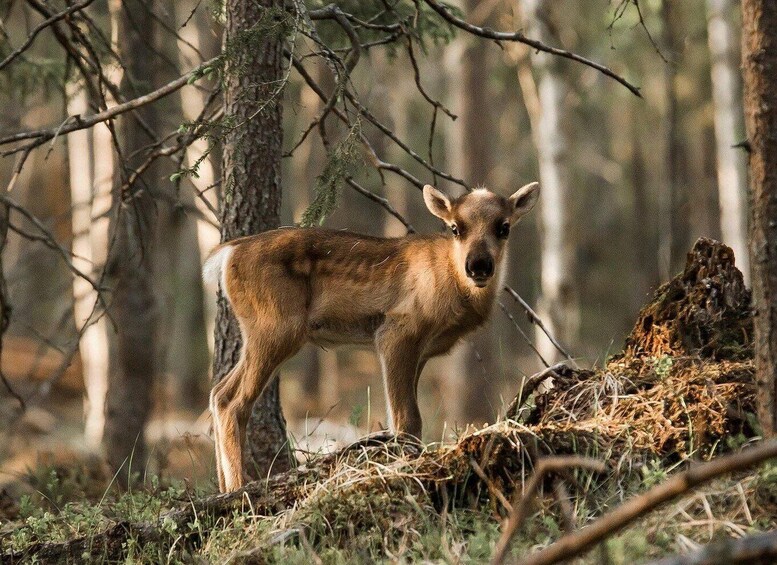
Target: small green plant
663,366
653,473
356,415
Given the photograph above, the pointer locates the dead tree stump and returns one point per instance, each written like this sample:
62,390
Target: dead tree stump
704,311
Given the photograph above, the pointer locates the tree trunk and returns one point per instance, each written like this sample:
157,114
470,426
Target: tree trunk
759,63
93,345
101,202
252,199
673,212
729,130
43,304
186,356
204,33
133,306
558,303
474,373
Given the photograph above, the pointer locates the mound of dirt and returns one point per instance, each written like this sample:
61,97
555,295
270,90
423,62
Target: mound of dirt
684,382
704,311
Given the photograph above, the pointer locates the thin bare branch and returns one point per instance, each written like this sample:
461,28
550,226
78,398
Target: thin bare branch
489,33
535,319
50,240
40,27
75,123
492,488
528,386
526,338
381,201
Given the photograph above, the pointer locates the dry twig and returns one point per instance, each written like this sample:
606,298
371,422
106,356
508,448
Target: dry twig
535,319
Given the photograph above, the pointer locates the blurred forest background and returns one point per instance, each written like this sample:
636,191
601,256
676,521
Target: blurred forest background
629,183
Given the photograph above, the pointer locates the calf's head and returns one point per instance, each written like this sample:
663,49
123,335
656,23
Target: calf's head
479,222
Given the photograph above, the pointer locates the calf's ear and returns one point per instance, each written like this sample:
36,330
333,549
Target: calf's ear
438,203
524,200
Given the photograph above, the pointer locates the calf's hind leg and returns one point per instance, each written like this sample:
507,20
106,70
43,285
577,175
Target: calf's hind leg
232,399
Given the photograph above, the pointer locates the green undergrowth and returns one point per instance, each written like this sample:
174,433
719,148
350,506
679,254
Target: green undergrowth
396,522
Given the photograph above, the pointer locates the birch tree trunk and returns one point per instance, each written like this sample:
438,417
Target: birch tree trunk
558,305
759,64
252,199
133,361
729,130
93,345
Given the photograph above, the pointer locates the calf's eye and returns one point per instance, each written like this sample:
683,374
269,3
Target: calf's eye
503,230
455,230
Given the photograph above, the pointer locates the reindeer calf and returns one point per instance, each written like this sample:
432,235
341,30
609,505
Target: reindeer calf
412,297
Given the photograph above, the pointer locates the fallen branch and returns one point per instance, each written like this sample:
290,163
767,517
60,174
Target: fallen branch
528,386
572,545
759,548
520,507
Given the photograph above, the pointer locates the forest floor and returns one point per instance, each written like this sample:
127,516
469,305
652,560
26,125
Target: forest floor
682,392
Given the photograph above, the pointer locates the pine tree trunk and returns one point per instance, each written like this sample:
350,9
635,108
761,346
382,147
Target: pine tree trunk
558,304
670,219
133,361
252,199
729,130
759,64
472,382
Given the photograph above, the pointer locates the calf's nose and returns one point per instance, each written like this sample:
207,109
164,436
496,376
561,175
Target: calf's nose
480,267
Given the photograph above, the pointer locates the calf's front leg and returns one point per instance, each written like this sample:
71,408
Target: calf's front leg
399,359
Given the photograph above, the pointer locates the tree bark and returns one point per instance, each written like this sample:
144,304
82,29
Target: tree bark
252,199
558,304
186,356
759,64
133,355
729,129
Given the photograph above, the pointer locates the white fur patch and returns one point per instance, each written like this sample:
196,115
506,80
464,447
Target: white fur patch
229,474
389,408
213,269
